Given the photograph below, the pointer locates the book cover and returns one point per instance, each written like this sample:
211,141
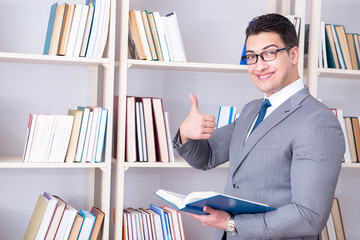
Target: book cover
337,220
332,58
99,219
66,223
75,230
55,222
130,145
74,137
160,131
83,130
87,30
161,213
100,140
87,224
50,29
196,201
66,28
352,50
48,216
155,35
36,218
74,30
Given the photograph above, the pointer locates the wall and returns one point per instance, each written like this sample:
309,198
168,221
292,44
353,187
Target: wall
213,31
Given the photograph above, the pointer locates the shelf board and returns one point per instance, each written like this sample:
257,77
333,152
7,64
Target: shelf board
350,165
16,162
47,59
187,66
333,72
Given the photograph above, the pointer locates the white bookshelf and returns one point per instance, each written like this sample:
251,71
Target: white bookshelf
98,186
129,68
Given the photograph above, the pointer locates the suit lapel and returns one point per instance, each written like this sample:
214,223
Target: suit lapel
282,112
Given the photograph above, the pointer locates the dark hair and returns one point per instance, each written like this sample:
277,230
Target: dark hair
274,22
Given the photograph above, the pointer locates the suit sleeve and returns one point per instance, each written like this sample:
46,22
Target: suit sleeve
317,152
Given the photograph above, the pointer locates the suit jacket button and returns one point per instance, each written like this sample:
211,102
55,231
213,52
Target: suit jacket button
234,185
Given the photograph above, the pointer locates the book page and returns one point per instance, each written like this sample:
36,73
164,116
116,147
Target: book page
196,196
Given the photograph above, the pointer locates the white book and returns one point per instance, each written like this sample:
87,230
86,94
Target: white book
94,28
93,134
169,36
87,138
87,31
100,45
177,39
138,133
81,29
143,133
69,120
161,36
30,136
331,228
101,136
323,46
83,131
66,223
158,228
87,225
74,30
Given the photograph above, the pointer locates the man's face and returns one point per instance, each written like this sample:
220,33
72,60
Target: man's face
271,76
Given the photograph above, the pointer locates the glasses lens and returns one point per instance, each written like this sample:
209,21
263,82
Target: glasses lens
269,55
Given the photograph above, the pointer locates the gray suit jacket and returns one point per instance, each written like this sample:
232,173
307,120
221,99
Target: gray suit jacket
291,161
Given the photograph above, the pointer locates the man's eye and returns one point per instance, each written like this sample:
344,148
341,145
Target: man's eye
269,54
250,57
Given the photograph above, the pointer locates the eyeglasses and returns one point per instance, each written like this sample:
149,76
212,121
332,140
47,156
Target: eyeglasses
266,56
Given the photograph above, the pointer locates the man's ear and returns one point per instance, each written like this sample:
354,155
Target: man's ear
294,54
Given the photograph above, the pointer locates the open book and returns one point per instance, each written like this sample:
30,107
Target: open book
195,201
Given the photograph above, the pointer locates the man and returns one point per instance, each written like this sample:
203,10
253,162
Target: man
290,161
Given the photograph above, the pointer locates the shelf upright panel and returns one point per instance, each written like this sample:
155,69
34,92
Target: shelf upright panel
122,83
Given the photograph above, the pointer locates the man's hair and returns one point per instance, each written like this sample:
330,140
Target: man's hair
274,22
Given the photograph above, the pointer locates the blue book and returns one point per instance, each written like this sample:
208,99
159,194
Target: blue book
161,212
226,115
87,224
196,201
50,29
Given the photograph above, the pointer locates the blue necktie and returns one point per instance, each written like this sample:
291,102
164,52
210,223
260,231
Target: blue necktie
264,106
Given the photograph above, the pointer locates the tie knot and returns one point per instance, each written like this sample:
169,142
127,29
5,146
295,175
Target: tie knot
266,103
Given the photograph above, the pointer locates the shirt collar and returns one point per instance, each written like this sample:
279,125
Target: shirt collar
284,94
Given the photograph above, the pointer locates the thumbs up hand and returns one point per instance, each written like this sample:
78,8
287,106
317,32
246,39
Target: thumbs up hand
196,125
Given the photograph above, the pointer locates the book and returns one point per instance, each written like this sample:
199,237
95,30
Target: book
83,130
173,214
74,137
161,213
87,224
140,40
66,28
155,35
85,9
340,116
356,131
36,218
140,132
325,234
149,128
352,50
169,138
351,138
157,224
55,36
149,34
175,37
93,134
138,226
74,30
29,136
100,140
160,131
226,115
102,31
87,31
99,219
55,222
161,35
344,46
338,47
332,58
331,228
195,201
66,223
131,152
337,220
48,216
50,29
75,229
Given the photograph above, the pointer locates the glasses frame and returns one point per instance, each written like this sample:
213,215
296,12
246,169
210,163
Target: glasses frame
243,58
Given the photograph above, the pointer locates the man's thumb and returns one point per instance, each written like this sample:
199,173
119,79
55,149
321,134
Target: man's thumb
194,105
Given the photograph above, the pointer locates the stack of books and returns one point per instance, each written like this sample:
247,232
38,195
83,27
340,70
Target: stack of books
77,30
155,37
334,228
351,131
147,131
53,218
339,49
76,137
153,223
